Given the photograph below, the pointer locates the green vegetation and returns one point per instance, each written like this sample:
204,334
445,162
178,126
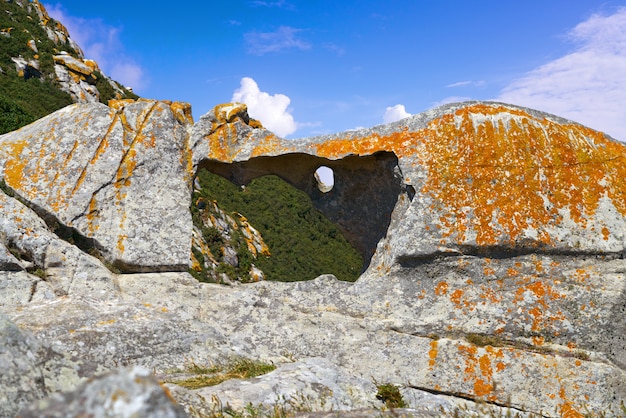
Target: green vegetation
24,101
303,244
390,395
23,25
482,340
106,89
24,98
203,376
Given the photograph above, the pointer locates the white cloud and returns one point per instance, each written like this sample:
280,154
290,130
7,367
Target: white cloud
587,85
395,113
478,83
100,42
285,37
271,110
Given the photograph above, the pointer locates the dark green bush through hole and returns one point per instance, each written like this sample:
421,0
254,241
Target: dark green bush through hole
303,243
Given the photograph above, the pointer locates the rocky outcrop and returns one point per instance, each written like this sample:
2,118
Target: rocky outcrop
58,57
494,237
484,175
117,175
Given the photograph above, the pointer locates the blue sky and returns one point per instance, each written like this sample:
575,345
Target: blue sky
314,67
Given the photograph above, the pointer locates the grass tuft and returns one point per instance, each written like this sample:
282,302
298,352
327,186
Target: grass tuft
204,376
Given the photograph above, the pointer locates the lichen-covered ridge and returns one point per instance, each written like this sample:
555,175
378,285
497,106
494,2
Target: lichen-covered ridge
486,175
494,236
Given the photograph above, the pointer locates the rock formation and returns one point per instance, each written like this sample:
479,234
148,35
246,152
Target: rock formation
36,46
494,237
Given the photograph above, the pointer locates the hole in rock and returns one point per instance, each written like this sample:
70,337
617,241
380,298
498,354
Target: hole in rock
302,242
325,179
358,211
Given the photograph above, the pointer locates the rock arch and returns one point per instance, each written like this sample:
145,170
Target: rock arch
365,192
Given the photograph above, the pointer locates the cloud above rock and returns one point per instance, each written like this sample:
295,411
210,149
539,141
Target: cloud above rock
395,113
587,85
271,109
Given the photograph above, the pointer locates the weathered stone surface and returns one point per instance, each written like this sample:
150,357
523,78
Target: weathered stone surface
119,176
72,75
64,267
166,320
310,384
495,236
31,369
127,393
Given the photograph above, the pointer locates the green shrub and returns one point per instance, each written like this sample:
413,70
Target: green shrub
390,395
303,243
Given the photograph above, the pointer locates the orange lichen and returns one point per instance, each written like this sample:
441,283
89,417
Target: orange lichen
432,353
491,167
455,297
441,288
542,297
182,112
481,379
15,164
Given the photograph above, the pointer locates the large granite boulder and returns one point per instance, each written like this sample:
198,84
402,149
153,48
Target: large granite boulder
119,176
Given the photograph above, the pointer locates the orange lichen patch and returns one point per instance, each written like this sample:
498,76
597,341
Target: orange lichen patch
606,233
222,143
455,297
182,112
500,367
542,297
119,104
14,168
489,295
566,409
511,272
441,288
120,243
91,214
266,145
479,370
432,353
538,341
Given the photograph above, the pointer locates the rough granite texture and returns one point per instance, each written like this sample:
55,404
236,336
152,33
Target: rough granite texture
128,393
119,175
495,238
